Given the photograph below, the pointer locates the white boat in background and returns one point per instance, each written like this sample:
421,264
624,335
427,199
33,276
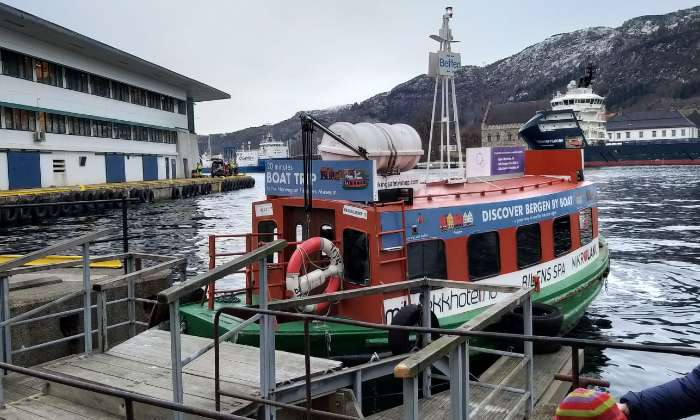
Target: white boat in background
253,160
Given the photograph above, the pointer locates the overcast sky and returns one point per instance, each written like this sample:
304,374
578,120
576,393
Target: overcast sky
278,57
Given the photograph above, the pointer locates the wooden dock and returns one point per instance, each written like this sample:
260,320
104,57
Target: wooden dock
548,391
142,365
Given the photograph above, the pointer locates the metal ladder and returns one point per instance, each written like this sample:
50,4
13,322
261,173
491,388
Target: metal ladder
403,259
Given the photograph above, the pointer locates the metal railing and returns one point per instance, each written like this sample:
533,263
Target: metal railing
134,271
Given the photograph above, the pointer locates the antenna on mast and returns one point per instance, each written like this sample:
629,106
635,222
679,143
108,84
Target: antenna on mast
443,65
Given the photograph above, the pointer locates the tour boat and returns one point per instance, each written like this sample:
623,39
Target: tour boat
365,217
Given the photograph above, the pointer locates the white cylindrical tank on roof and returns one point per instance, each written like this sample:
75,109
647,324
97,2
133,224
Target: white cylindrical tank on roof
390,145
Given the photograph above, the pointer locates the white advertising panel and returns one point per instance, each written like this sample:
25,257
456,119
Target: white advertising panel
478,162
443,63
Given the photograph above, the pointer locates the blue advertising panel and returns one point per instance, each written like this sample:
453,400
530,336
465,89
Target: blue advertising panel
351,180
450,222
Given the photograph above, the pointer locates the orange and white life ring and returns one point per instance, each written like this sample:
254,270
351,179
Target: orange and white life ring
299,284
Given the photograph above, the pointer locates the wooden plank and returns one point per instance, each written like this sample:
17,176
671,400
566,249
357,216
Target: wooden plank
441,347
55,248
176,292
35,282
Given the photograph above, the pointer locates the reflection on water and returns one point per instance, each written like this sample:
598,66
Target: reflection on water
649,216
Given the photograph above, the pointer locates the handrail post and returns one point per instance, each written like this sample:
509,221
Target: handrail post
267,345
176,355
465,379
527,346
131,306
6,332
426,322
102,323
410,398
457,392
87,301
211,293
125,228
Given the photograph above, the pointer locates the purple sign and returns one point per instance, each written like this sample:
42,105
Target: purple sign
507,160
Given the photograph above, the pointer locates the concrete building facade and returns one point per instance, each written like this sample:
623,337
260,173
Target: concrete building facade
76,111
650,125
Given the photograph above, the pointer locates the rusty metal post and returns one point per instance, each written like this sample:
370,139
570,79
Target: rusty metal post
575,367
307,366
212,265
426,321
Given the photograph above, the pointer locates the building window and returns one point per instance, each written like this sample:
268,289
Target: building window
488,139
356,249
529,245
683,132
181,107
484,255
138,95
77,80
17,65
663,133
155,135
627,134
59,166
498,137
170,137
653,133
79,126
20,119
120,91
122,131
562,235
618,136
152,100
53,123
168,104
641,134
427,259
585,226
82,160
100,86
610,136
49,73
102,128
140,133
673,133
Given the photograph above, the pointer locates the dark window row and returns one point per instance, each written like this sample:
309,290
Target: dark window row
29,68
427,258
21,119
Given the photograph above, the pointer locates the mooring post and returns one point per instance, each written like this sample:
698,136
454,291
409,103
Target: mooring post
457,392
267,346
410,399
87,301
527,346
101,301
426,322
176,356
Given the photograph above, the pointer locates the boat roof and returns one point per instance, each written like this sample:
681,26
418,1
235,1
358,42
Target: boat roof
440,194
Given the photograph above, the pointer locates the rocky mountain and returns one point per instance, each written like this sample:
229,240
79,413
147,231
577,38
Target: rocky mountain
649,62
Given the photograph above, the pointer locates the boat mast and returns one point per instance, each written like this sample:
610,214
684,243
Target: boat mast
443,65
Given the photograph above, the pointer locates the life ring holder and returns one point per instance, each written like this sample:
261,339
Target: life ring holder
299,285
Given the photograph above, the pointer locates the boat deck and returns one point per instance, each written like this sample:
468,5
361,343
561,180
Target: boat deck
548,391
142,365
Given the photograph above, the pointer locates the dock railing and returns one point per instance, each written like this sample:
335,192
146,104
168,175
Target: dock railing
135,270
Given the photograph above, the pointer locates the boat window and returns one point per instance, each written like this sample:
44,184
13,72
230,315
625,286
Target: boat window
484,255
267,229
356,256
427,259
585,226
562,235
327,232
529,245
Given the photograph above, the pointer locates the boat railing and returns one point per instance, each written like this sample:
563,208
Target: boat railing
135,270
448,354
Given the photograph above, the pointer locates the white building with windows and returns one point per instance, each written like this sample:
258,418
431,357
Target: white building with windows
76,111
649,126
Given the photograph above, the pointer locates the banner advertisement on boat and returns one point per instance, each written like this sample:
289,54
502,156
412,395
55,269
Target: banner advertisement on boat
492,161
452,301
449,222
351,180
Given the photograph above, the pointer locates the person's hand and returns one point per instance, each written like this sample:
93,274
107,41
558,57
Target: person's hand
625,410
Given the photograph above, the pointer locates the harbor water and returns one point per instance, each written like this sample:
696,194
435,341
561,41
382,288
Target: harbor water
650,217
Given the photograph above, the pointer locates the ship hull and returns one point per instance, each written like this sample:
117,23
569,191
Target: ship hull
655,153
